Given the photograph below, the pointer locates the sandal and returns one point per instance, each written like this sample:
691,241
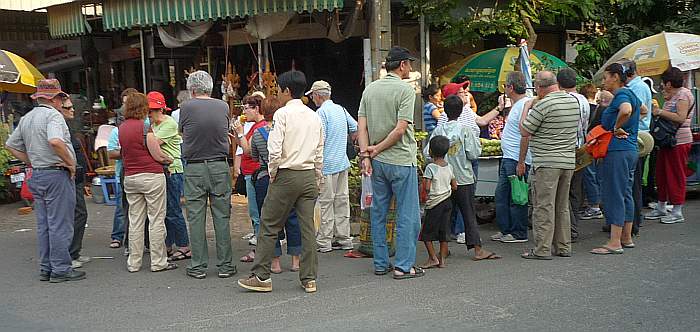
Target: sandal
115,244
384,271
491,255
169,267
628,245
417,272
179,255
249,257
607,251
530,254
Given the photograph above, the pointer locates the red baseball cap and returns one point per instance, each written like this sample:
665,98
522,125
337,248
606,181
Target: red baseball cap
156,101
452,88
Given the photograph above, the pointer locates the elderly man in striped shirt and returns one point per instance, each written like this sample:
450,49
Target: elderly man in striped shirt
334,198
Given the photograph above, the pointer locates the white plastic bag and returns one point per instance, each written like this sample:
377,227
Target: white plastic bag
366,197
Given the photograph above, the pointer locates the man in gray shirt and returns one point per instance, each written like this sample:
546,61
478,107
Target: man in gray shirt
42,139
204,125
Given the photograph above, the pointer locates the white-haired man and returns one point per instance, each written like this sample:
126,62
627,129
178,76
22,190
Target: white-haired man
204,123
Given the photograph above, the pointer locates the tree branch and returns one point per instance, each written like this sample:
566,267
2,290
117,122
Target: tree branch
531,35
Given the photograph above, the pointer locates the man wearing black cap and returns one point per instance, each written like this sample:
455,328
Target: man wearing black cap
388,155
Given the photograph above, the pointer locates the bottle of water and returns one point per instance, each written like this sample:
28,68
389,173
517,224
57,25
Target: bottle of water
366,197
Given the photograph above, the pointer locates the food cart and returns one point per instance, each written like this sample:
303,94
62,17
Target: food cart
487,179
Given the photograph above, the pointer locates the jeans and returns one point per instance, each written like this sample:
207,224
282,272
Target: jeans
590,184
174,220
511,218
617,173
457,221
118,222
400,181
253,211
80,219
54,206
292,229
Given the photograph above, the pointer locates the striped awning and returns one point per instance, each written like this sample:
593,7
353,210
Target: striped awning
124,14
67,20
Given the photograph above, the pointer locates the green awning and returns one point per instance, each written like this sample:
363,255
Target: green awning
66,20
124,14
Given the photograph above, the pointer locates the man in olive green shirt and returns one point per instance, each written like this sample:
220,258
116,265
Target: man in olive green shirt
166,130
388,155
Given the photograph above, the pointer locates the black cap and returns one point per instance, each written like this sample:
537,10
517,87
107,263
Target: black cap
398,53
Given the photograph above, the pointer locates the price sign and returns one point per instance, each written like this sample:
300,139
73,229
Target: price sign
19,177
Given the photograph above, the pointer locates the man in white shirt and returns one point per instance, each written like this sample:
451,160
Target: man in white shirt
295,166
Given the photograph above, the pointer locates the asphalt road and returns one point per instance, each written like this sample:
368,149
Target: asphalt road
653,287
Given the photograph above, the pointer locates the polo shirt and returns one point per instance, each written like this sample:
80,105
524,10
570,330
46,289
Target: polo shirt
33,133
336,124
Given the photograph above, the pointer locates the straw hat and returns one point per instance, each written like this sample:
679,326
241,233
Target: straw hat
48,88
645,143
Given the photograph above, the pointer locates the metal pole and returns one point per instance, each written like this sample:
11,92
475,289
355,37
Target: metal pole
143,61
260,81
423,59
367,54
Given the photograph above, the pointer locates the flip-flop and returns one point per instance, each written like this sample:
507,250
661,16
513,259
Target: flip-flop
354,254
170,267
492,255
628,245
115,244
417,273
385,271
249,257
531,255
179,255
608,251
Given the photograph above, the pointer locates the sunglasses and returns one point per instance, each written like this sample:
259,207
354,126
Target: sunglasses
68,108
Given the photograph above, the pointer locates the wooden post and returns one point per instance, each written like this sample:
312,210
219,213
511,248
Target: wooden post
380,33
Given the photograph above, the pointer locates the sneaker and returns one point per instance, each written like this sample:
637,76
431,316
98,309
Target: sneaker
248,236
253,241
44,276
84,259
655,215
70,276
511,239
461,238
672,219
592,213
339,246
76,264
197,274
497,237
309,286
254,283
324,249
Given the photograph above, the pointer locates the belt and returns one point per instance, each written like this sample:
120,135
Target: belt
50,168
206,160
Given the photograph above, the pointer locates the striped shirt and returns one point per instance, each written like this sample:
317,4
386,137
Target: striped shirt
258,151
553,123
336,123
684,135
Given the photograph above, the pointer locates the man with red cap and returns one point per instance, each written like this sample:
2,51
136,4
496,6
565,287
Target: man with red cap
42,139
166,130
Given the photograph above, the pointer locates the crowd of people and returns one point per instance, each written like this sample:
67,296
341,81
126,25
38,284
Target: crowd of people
290,158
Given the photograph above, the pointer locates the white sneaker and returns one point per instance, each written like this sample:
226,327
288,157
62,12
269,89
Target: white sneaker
76,264
672,219
248,236
253,241
461,238
511,239
83,259
497,237
655,215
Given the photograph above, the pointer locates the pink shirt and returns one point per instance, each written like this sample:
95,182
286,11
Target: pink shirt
684,135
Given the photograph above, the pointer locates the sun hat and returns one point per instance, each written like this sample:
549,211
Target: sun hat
48,88
156,101
645,143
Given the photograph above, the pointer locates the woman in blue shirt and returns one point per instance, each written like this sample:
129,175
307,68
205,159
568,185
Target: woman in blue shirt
617,168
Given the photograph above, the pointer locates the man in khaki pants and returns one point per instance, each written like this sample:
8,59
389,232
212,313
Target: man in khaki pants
295,145
551,126
334,200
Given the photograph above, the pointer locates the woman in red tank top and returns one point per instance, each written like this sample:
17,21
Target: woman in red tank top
144,185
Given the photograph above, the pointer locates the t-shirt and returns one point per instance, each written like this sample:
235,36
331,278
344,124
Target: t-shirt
336,123
468,119
643,93
33,133
384,102
464,147
429,122
553,123
609,117
167,132
510,139
684,135
440,183
113,145
137,159
176,116
204,124
246,129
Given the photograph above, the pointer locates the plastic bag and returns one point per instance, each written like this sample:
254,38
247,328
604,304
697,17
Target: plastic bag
518,190
366,197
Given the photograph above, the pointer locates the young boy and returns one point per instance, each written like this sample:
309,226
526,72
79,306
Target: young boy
464,147
439,182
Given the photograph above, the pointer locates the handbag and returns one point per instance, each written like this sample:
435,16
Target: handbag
518,190
597,141
350,149
240,185
664,132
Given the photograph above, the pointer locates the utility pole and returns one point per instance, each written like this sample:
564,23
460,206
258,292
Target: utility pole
380,33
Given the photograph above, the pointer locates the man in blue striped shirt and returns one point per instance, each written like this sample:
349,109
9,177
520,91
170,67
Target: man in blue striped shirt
334,198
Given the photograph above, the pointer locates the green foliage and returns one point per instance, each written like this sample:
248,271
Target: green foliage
466,25
620,22
5,157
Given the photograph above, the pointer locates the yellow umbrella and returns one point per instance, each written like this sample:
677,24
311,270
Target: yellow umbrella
17,74
656,53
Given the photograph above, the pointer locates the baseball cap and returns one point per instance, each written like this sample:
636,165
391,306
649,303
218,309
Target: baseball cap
156,101
398,53
48,88
319,85
452,88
